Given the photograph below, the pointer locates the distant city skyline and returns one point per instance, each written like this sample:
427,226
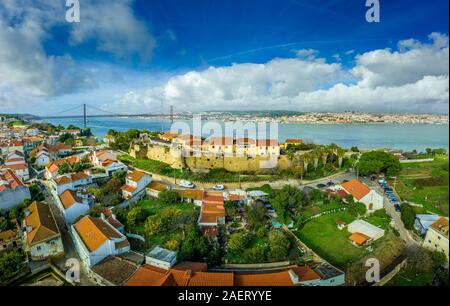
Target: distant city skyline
129,56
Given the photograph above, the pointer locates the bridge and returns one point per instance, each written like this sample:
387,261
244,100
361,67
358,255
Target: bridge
98,113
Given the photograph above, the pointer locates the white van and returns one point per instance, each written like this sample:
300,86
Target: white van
186,184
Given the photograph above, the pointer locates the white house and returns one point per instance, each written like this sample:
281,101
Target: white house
136,181
95,239
363,194
437,237
43,158
12,190
15,161
72,205
423,222
161,258
70,182
42,236
108,161
362,227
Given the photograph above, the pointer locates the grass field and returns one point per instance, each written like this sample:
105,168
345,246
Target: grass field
330,243
426,184
410,278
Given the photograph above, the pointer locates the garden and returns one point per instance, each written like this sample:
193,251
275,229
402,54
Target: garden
427,184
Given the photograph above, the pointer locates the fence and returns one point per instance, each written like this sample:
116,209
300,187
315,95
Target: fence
391,274
324,213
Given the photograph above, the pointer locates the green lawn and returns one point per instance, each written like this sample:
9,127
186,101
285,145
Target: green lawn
332,244
154,206
410,278
426,184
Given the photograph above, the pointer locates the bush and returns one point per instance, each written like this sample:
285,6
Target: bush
168,197
408,216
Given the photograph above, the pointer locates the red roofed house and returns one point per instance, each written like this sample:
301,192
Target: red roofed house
212,213
136,181
16,162
43,239
363,194
107,160
72,205
96,239
12,190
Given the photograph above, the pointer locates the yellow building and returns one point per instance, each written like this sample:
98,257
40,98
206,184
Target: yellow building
437,236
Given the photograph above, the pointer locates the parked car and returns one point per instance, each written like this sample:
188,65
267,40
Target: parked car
218,187
344,181
186,184
397,208
321,185
330,183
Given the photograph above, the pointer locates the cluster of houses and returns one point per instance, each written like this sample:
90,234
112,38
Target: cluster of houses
435,230
226,146
159,267
360,193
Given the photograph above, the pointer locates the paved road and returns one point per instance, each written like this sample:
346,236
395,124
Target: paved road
337,179
405,235
69,249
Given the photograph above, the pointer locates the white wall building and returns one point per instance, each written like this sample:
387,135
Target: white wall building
95,239
363,194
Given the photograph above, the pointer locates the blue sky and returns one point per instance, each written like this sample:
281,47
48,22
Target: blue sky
131,54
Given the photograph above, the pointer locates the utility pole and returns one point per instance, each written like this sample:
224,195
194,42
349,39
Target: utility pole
84,117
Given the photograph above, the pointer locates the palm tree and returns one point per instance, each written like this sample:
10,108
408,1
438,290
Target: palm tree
316,157
306,161
324,152
333,148
340,153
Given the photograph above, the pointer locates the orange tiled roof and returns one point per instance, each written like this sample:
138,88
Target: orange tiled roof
11,178
157,186
68,198
356,189
194,194
79,176
42,223
95,232
358,238
293,141
267,142
441,225
305,273
263,280
62,180
128,188
135,176
17,167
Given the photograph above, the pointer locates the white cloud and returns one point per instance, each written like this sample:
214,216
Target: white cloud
410,63
412,78
307,54
25,26
115,29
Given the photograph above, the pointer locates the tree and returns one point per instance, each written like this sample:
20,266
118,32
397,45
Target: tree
285,198
356,209
120,175
256,254
379,162
154,225
35,192
255,214
10,264
408,216
113,186
172,245
168,196
135,215
354,149
64,168
238,242
340,154
278,246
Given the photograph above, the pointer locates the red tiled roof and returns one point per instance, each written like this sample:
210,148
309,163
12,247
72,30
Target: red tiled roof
356,189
